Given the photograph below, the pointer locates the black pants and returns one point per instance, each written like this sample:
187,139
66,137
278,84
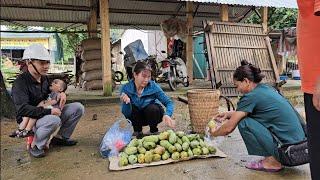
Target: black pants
150,116
313,125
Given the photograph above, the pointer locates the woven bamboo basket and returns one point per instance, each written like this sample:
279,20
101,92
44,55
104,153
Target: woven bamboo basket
203,105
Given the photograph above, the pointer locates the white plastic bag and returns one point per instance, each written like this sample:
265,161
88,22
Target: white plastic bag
116,138
213,141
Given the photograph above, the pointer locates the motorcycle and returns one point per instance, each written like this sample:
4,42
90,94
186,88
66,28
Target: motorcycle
171,70
175,71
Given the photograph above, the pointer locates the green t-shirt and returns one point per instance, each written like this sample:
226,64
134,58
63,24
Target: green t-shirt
265,105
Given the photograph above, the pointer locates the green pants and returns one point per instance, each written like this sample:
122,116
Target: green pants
258,138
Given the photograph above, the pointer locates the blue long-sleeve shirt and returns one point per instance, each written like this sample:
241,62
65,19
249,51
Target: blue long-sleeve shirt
152,93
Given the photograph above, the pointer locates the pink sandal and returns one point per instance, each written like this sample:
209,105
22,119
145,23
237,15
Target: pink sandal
258,166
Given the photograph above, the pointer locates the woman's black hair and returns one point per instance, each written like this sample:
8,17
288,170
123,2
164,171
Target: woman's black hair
249,71
141,66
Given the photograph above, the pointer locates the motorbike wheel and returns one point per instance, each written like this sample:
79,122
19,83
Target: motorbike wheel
172,80
118,76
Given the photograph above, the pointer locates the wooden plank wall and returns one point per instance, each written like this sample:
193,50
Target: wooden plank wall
232,42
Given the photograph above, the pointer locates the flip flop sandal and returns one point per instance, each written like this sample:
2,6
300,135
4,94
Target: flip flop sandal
258,166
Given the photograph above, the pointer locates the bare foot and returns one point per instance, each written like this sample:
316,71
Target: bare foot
271,163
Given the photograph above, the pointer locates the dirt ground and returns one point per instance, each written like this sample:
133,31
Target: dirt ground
83,161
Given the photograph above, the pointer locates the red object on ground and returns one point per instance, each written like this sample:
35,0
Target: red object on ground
29,140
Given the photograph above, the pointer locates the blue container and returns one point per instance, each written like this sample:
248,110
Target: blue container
283,78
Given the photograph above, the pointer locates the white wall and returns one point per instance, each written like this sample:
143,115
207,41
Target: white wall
157,43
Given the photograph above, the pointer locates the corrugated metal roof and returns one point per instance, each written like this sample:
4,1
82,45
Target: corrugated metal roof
123,13
257,3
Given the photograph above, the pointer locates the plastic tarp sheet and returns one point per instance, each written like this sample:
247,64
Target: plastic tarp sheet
136,50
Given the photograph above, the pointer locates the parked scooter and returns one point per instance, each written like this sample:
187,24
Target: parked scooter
171,70
175,71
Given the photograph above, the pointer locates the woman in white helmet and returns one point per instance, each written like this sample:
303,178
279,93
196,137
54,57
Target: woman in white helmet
32,87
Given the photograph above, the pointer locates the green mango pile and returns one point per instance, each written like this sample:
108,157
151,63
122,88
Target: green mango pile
168,144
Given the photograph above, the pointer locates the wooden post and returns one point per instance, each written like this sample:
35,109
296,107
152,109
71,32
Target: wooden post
92,23
189,48
264,16
105,48
224,13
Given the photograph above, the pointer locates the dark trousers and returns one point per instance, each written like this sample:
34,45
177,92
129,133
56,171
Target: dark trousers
313,126
150,116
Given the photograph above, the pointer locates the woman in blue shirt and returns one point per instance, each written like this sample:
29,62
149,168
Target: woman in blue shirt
141,101
260,111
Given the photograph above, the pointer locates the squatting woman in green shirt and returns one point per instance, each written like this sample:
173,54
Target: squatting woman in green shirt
259,111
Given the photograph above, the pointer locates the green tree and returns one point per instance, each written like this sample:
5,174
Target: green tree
70,42
278,18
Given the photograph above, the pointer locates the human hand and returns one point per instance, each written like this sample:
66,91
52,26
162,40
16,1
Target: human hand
167,119
214,131
222,117
56,111
63,99
124,98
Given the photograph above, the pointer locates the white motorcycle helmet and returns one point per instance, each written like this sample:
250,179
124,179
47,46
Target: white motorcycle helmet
37,52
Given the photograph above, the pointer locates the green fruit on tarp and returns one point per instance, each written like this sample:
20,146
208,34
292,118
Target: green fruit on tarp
172,149
141,158
156,157
132,159
131,150
190,153
159,150
142,150
201,143
152,138
194,143
164,135
140,142
175,156
148,157
196,151
192,137
178,147
198,137
205,151
165,155
123,161
212,150
185,139
148,153
133,143
179,141
180,134
185,146
165,144
184,155
149,145
123,154
172,138
170,131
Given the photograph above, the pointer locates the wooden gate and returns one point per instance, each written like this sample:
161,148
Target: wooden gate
229,43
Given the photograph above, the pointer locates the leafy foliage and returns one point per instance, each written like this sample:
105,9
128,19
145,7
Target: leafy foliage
278,18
